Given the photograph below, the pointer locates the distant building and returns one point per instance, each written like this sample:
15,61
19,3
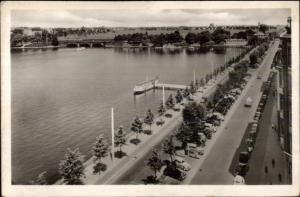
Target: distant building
235,42
260,35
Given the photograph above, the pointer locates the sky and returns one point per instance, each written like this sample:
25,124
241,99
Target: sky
147,17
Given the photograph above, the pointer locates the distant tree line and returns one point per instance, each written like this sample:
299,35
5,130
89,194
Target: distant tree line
205,37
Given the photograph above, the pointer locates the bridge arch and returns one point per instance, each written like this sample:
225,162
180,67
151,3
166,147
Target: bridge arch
86,45
72,45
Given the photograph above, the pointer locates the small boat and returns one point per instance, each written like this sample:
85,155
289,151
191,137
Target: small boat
145,86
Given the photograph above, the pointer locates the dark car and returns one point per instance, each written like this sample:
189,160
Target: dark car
176,109
244,157
168,115
175,173
160,122
242,169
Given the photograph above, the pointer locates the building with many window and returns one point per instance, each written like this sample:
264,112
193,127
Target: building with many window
283,67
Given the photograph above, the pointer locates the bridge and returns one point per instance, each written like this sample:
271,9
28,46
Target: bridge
88,43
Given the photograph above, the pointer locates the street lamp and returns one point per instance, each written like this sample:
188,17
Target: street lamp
289,20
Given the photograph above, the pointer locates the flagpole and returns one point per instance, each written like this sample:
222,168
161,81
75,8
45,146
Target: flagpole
194,78
112,134
163,95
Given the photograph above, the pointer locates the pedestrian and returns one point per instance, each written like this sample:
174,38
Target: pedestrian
266,169
273,163
279,177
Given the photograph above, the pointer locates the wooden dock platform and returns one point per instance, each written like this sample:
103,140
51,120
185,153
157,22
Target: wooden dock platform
170,86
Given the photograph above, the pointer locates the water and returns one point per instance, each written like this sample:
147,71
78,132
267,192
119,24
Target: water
62,98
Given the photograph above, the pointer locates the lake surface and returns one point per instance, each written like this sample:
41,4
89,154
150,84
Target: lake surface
63,98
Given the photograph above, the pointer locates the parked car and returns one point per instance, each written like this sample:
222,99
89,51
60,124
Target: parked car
257,116
210,127
160,122
175,173
219,116
183,166
250,142
252,134
208,133
176,109
244,157
238,180
195,151
160,173
180,153
242,169
167,115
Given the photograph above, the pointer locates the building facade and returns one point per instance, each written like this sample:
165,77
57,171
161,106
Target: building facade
283,67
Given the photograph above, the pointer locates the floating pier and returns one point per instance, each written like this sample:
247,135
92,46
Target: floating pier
170,86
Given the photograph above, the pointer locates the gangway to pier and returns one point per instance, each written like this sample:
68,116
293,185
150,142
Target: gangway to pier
170,86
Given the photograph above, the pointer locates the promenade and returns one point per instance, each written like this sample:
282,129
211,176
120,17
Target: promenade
136,172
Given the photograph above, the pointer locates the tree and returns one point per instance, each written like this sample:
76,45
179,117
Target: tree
203,37
234,77
219,35
184,134
253,58
190,38
263,28
149,118
170,102
252,40
178,96
193,112
186,92
137,126
40,180
54,41
120,139
161,109
206,78
168,147
71,168
192,87
154,163
100,148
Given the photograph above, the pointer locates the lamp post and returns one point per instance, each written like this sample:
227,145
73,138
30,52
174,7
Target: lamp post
112,135
163,87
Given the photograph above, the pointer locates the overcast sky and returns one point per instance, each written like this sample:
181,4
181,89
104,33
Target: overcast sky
146,18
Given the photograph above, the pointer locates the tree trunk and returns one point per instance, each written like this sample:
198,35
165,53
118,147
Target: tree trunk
171,157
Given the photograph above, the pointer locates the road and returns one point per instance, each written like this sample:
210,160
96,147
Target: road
215,167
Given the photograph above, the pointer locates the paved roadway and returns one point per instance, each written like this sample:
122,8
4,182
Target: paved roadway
215,168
